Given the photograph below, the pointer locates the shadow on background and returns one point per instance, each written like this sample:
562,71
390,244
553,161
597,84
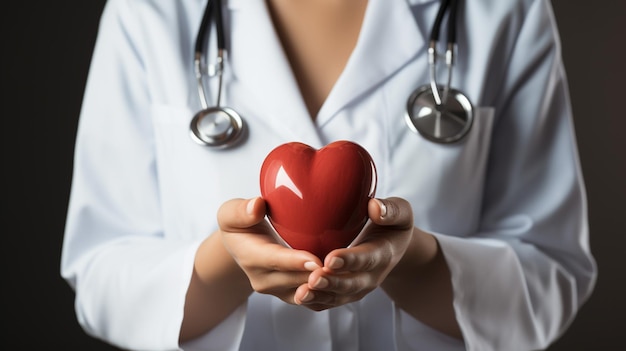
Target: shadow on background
44,71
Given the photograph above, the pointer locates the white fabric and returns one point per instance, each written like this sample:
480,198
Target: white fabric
507,204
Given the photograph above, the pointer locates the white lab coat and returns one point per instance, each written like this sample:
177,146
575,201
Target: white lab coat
507,204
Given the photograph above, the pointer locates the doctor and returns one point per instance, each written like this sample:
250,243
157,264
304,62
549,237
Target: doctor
480,244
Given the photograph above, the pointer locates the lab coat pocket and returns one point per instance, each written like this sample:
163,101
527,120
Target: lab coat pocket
196,179
450,177
186,177
469,156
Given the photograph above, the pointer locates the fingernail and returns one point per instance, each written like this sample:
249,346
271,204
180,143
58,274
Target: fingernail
307,297
321,283
383,208
311,266
336,263
250,206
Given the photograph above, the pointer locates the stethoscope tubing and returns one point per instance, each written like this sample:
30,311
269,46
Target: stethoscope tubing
450,46
221,127
213,7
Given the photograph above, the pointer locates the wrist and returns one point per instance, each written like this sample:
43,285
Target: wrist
213,263
421,285
420,256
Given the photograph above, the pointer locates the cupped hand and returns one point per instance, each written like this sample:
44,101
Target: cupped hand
271,267
351,273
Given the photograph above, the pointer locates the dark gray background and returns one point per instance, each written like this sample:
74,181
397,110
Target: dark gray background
44,67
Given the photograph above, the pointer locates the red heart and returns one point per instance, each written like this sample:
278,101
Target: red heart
317,199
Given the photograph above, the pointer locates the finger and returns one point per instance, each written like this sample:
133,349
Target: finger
303,295
310,299
321,300
393,211
279,283
258,254
284,259
340,284
236,215
365,257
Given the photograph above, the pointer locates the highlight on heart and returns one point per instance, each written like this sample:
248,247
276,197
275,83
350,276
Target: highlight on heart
317,199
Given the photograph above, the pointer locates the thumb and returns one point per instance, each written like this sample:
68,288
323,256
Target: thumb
239,214
392,211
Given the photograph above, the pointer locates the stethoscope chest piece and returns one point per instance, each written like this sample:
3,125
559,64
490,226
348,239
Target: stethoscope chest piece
447,122
219,127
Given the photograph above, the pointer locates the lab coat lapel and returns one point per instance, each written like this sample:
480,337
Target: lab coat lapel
390,37
259,63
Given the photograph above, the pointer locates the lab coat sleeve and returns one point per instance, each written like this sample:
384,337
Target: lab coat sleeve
519,281
130,277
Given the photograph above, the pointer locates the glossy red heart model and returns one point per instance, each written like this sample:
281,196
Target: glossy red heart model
317,199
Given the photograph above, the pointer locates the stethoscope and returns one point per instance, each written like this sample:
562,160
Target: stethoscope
216,126
439,113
